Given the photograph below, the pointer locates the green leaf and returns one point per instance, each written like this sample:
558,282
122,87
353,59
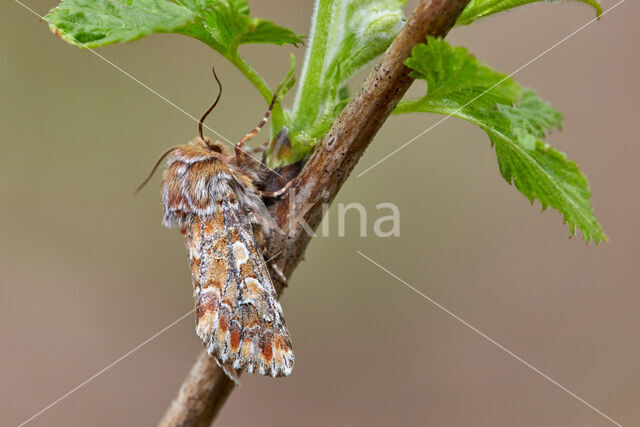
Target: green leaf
222,24
516,121
346,35
94,23
226,24
481,8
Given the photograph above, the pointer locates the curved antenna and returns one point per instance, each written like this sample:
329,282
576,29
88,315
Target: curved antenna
153,170
206,113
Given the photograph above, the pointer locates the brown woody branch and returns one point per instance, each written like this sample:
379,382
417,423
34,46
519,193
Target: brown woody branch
206,388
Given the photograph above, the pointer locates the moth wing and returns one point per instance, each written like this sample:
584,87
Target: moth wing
238,314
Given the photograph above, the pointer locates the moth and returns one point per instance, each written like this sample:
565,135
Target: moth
210,194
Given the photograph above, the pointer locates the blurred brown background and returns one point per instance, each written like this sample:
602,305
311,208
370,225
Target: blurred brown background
87,272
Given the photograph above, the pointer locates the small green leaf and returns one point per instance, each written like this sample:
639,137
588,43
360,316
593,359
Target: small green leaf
94,23
481,8
346,35
516,121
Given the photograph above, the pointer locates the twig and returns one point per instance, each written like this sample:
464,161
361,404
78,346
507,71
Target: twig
206,388
201,395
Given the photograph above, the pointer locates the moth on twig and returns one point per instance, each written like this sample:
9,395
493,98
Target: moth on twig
211,195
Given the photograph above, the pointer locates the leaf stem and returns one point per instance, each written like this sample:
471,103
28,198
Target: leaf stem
306,103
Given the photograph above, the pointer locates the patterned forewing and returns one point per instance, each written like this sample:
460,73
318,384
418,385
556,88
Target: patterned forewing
239,317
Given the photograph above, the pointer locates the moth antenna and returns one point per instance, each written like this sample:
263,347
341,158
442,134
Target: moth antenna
153,170
206,113
255,131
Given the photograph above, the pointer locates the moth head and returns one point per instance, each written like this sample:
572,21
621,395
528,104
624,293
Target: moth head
213,146
216,147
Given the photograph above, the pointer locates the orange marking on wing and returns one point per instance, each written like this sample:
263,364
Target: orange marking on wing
208,303
210,227
267,350
223,322
234,340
